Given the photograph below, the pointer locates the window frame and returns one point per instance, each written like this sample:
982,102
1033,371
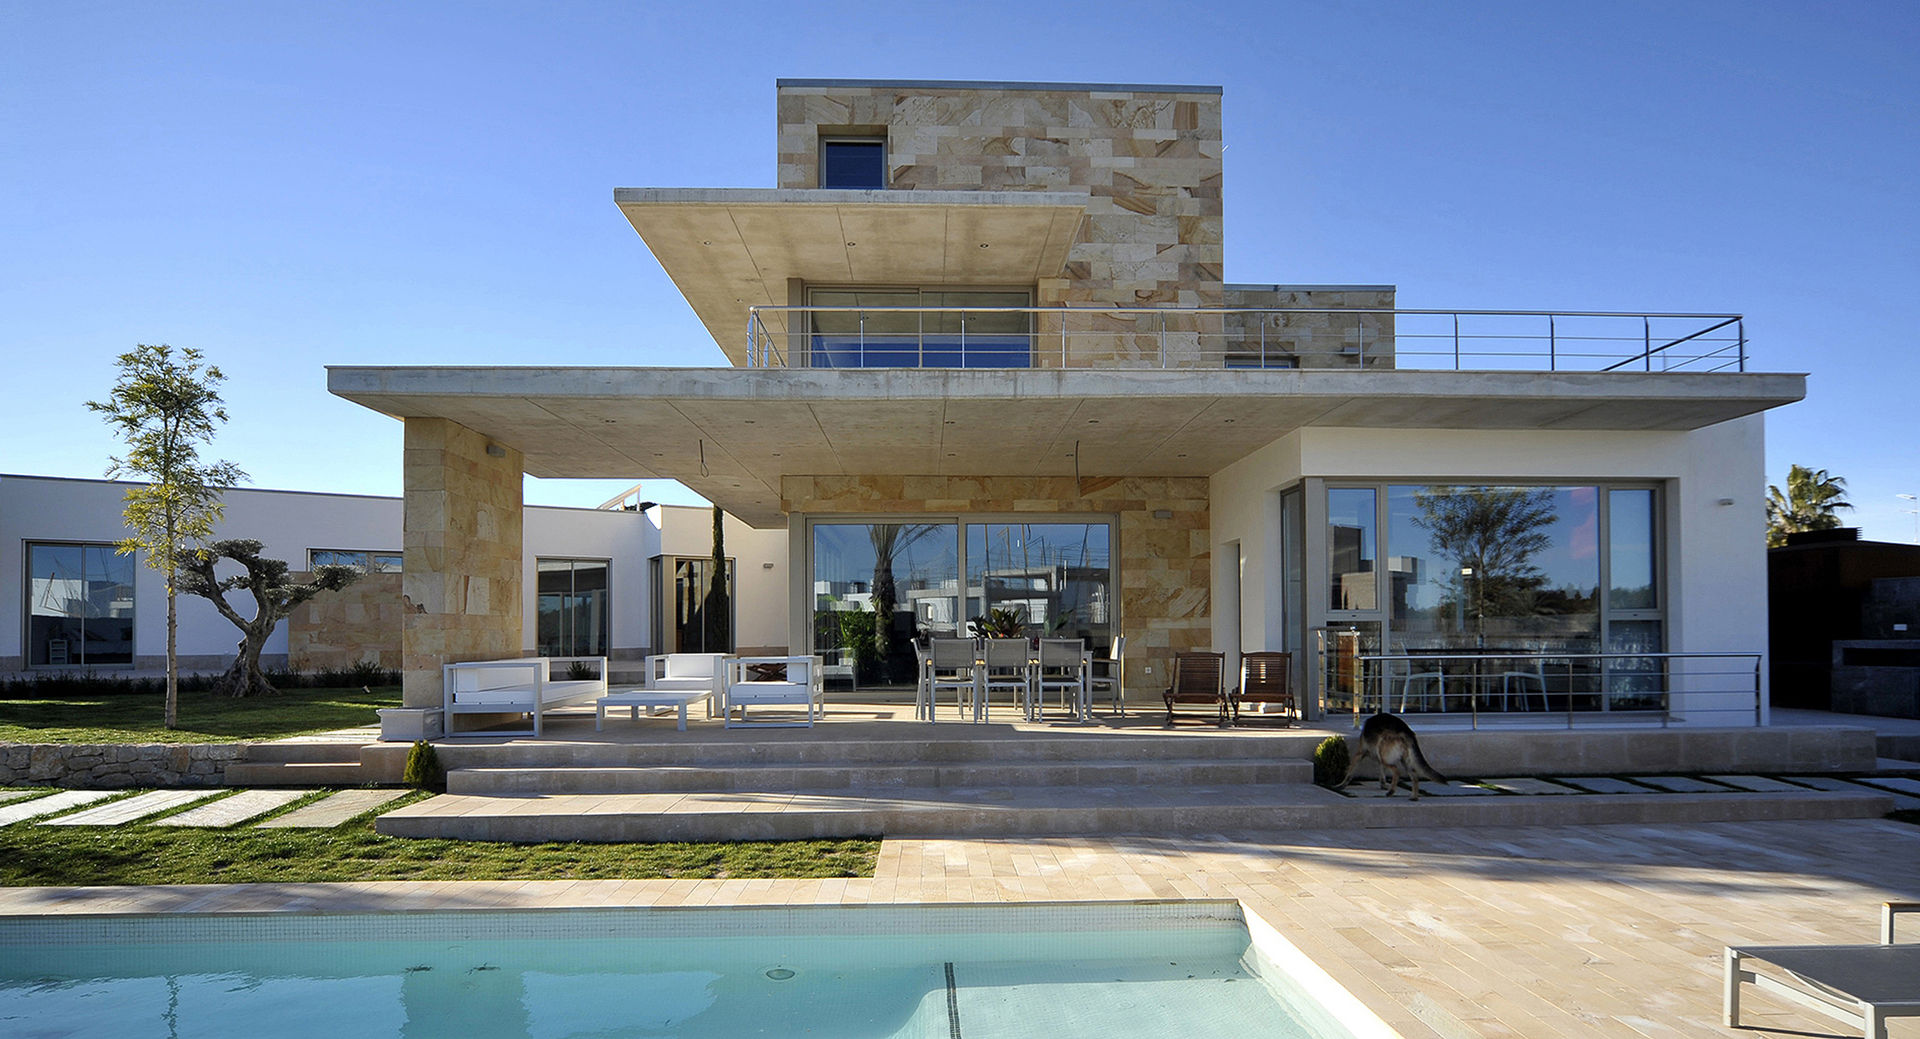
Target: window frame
828,140
27,545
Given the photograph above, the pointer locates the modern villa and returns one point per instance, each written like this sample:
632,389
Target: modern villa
984,353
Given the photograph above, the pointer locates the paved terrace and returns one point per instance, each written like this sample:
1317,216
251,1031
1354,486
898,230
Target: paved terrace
1496,932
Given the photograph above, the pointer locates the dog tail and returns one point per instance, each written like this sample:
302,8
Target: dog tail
1426,771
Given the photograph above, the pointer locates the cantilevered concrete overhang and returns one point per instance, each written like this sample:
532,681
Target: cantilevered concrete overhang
730,249
732,434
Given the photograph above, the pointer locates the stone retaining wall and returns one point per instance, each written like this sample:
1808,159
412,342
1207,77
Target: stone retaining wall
112,766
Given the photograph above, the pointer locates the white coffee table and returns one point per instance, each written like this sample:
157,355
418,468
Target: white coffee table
651,699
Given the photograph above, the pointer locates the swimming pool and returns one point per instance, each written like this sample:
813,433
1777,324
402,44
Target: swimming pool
913,972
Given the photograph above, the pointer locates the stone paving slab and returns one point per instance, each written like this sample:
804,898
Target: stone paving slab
1754,783
56,802
333,811
1904,786
1829,783
1528,785
15,795
136,807
1455,790
247,804
1606,785
1680,784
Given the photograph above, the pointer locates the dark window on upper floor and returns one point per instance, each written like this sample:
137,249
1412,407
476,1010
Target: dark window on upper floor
853,162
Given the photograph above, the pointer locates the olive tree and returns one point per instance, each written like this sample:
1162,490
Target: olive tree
275,594
166,406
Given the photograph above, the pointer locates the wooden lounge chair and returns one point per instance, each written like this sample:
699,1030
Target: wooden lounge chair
1860,985
1198,679
1266,678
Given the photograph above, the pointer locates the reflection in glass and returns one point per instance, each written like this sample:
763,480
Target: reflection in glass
1056,576
878,585
847,333
1351,541
79,606
1494,567
1630,549
570,606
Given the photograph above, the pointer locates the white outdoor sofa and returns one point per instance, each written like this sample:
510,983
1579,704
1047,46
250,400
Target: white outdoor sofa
675,681
1861,985
523,686
802,688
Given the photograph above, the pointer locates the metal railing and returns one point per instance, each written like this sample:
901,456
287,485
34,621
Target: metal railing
1606,688
1241,337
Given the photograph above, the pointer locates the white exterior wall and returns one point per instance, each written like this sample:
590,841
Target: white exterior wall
627,540
288,523
1714,554
760,593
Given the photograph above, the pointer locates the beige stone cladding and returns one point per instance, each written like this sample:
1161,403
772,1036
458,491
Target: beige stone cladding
1149,160
337,630
1310,340
1163,562
460,580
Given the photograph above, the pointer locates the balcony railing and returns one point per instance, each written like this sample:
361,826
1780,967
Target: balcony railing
1554,687
1232,337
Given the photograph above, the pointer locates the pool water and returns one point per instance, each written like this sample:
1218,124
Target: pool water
1105,970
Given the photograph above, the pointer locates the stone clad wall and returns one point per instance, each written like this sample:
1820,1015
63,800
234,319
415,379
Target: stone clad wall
460,580
1314,340
1164,564
1148,160
340,629
115,766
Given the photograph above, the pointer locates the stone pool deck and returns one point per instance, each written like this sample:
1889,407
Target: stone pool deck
1535,932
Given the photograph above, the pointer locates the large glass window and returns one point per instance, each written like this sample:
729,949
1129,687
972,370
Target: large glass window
1056,576
878,585
942,328
1631,548
1494,567
79,606
1352,548
688,580
571,605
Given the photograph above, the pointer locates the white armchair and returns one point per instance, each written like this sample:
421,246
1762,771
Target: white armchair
800,687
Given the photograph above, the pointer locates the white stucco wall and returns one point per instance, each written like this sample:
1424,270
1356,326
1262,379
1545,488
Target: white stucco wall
288,523
760,606
627,540
1715,553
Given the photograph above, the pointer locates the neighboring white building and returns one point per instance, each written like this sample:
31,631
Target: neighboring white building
593,580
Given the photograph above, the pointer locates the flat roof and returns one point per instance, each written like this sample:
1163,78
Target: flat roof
732,434
983,84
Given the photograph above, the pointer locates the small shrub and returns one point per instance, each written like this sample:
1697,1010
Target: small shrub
1330,761
368,672
423,771
580,671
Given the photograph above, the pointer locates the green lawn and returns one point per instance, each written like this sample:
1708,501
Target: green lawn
204,717
40,856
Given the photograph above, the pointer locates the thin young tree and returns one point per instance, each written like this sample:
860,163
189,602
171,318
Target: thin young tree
1810,502
165,406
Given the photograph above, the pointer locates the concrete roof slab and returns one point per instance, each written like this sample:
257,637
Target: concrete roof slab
730,249
732,434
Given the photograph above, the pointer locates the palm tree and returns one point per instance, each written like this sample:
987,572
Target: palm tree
1811,498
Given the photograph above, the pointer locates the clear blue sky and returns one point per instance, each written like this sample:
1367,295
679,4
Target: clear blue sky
287,186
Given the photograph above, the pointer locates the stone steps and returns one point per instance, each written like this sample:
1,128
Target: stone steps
791,776
1001,811
298,773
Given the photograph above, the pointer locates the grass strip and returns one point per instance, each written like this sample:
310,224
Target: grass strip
43,856
204,717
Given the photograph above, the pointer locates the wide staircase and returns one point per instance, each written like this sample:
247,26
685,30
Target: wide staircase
1023,784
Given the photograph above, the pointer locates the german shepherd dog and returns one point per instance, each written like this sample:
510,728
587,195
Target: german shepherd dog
1389,742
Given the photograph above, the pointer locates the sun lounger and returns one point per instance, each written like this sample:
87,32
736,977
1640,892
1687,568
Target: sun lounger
1861,985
